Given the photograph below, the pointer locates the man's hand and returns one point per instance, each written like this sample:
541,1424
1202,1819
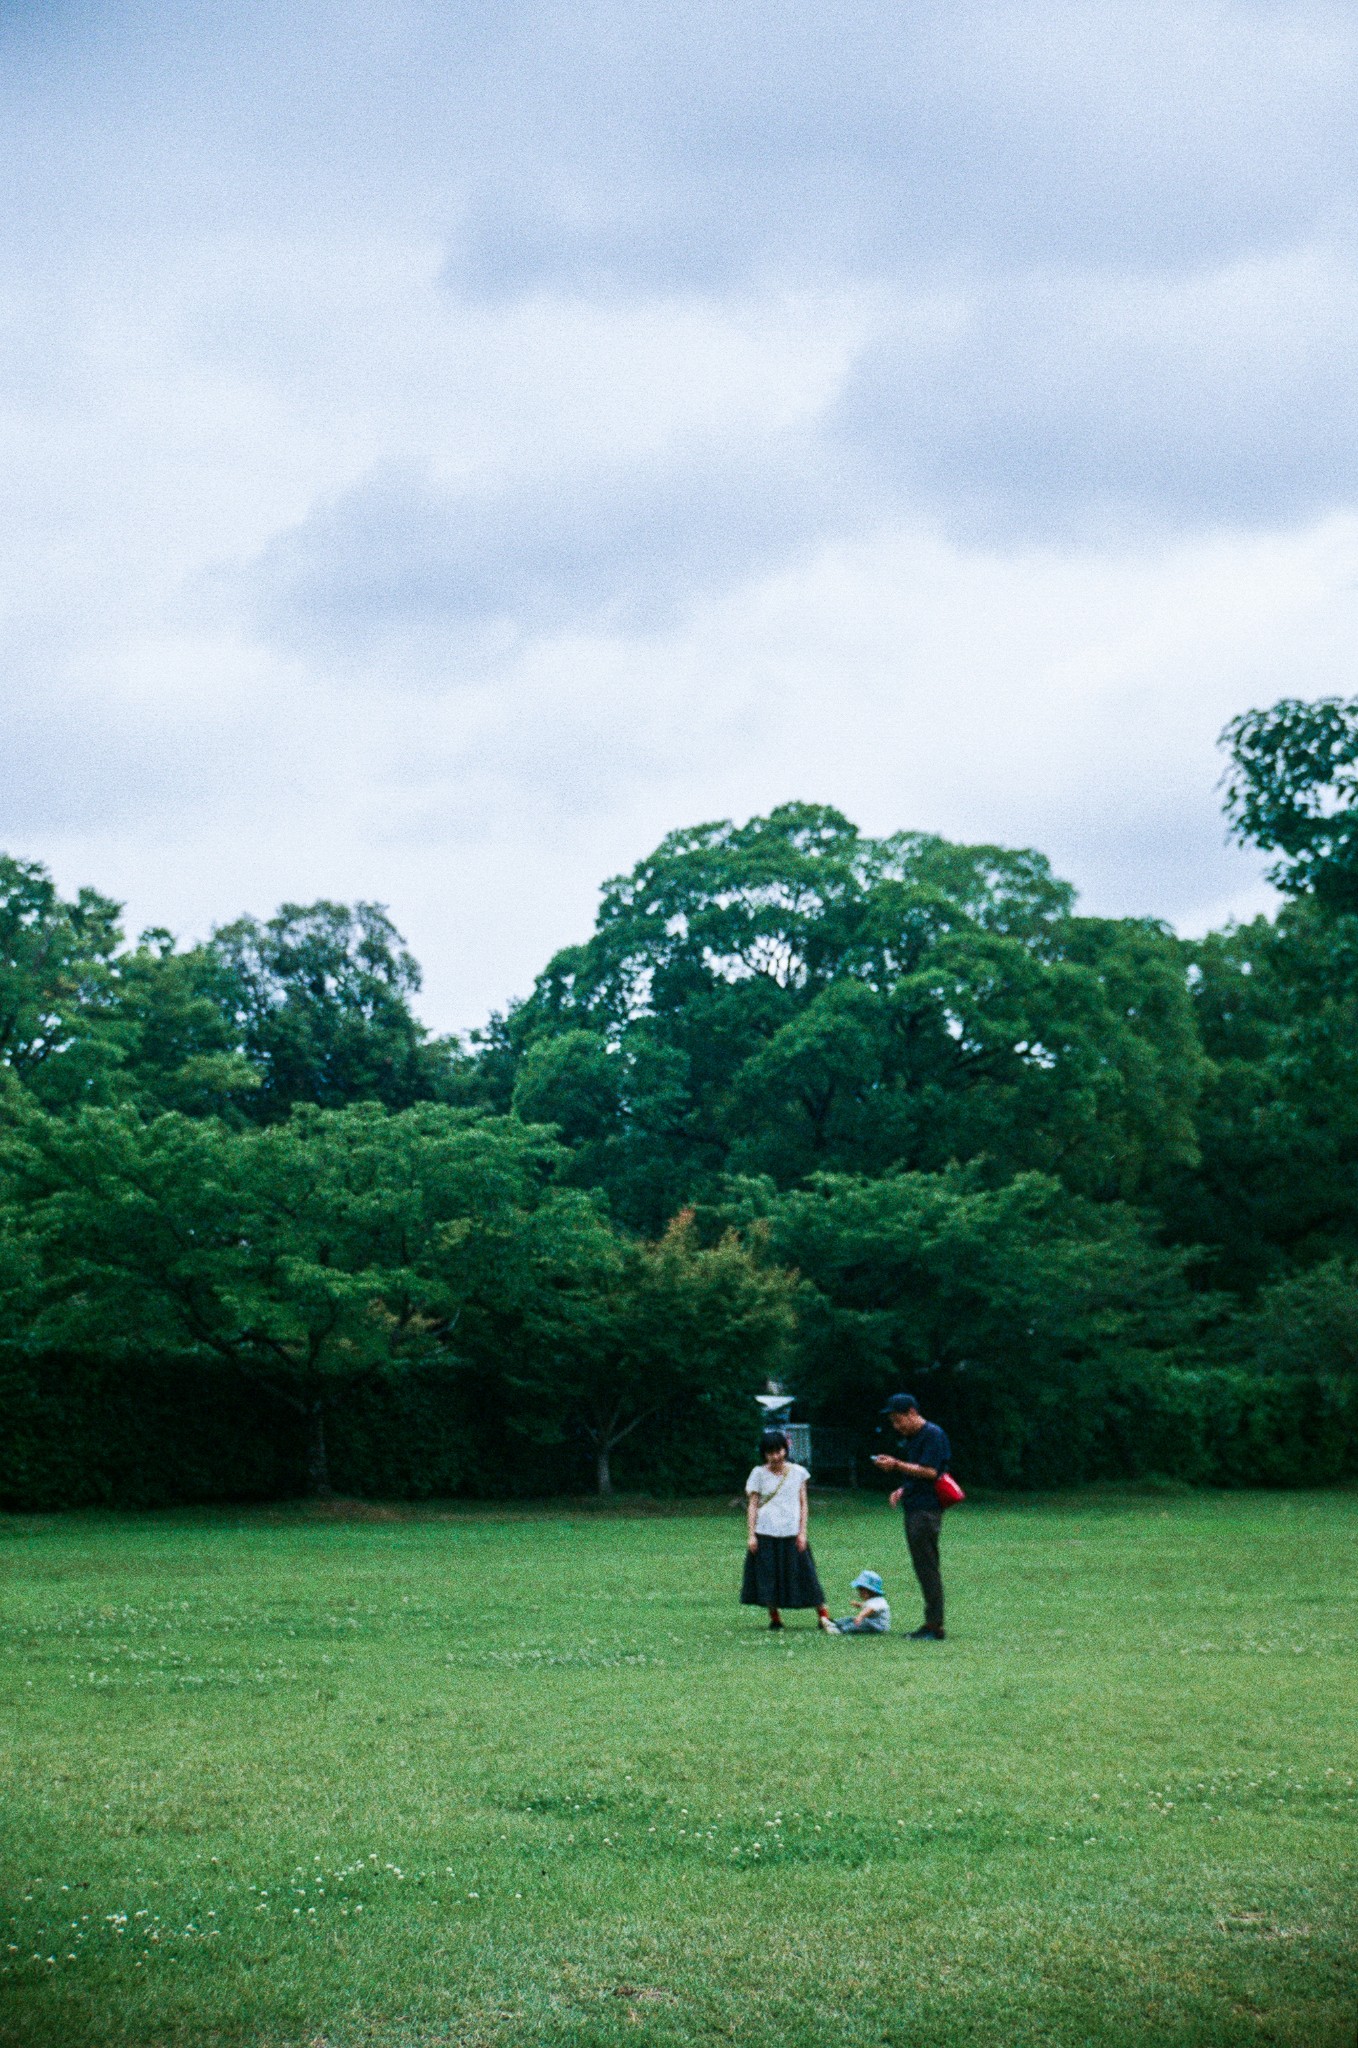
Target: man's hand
895,1498
886,1464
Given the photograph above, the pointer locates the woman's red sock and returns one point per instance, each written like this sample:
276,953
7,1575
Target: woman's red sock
824,1613
775,1618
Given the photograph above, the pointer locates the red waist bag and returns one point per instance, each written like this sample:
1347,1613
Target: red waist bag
948,1491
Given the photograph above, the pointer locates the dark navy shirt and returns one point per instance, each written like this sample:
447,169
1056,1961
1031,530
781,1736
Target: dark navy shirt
928,1446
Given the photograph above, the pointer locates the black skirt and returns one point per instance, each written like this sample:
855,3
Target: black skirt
780,1575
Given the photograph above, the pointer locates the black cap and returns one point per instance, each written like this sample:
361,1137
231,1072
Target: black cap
900,1404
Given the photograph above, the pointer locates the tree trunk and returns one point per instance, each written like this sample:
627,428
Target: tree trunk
317,1463
601,1467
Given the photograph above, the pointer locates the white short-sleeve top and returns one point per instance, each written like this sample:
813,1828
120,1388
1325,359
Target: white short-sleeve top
780,1512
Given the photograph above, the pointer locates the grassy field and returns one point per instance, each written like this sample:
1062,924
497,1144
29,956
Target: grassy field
506,1777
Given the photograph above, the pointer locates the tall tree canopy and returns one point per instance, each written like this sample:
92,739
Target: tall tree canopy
1023,1303
320,999
56,984
1276,1002
341,1245
306,1254
789,996
1292,788
312,1005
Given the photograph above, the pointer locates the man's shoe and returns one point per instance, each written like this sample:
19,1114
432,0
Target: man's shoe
927,1635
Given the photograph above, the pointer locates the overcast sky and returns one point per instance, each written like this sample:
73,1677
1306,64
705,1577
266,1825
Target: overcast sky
444,447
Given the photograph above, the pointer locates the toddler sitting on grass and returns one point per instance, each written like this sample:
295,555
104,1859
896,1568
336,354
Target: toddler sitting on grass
871,1615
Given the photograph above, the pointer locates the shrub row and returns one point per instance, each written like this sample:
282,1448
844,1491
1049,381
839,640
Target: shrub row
76,1432
1214,1425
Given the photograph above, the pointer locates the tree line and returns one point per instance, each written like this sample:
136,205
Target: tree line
806,1104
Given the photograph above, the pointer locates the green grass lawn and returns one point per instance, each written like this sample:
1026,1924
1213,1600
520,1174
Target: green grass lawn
512,1777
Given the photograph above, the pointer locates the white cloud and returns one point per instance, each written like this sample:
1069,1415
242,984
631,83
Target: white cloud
1069,700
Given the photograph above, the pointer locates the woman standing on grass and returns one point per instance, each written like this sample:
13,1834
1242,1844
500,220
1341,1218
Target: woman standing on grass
779,1568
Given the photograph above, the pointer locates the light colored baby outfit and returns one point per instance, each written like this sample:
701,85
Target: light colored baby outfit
872,1619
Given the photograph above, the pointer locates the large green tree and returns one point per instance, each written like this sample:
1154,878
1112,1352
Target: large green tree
1292,789
790,996
319,997
339,1245
56,985
1018,1308
1276,1003
668,1335
308,1254
1276,1184
313,1005
169,1015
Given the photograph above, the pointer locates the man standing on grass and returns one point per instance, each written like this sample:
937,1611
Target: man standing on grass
929,1455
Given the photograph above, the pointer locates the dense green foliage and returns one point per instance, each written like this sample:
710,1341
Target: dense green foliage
1291,788
509,1777
358,1247
859,1110
790,997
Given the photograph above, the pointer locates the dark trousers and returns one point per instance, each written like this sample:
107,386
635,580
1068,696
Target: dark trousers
922,1526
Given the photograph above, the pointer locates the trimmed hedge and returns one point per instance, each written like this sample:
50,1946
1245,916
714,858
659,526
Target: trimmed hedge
79,1432
1208,1426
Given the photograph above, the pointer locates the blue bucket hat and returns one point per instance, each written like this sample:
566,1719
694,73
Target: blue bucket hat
867,1582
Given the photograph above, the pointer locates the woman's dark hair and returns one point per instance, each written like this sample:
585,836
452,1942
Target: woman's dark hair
773,1440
